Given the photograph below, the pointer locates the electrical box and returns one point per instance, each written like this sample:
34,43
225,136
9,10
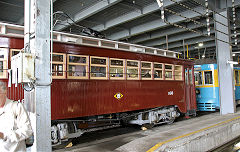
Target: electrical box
22,66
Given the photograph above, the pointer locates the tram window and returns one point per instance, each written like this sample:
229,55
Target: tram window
168,72
116,68
158,72
97,71
146,70
198,78
77,67
57,57
98,68
236,76
57,69
208,77
186,77
157,66
132,63
116,62
3,62
77,59
168,67
58,65
132,69
15,52
99,61
178,72
190,77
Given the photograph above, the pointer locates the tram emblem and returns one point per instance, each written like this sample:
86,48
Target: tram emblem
118,95
170,93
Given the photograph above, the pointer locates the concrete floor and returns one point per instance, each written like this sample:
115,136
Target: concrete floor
196,134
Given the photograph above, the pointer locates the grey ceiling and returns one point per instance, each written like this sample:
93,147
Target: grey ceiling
135,21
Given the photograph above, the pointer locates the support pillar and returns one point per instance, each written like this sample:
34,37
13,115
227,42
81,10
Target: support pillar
225,70
37,41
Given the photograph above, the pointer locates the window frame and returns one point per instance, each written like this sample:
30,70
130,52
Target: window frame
5,64
172,70
202,78
151,70
83,64
162,69
138,68
17,50
116,66
212,77
59,63
181,71
99,65
236,70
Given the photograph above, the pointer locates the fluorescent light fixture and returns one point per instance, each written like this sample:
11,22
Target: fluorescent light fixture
160,3
234,54
200,44
232,62
203,56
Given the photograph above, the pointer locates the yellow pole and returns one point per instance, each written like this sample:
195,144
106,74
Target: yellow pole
178,56
187,51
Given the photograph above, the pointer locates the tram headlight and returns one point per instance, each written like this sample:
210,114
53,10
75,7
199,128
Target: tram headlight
197,91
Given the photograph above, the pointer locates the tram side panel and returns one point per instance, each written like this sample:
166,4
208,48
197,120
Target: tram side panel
96,97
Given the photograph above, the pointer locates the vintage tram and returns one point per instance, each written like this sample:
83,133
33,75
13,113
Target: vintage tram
207,87
99,83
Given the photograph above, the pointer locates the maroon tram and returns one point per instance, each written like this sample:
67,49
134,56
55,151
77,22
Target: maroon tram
100,83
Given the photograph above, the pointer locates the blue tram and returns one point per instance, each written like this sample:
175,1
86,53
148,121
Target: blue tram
207,88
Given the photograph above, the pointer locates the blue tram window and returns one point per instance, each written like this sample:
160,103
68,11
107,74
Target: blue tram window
237,77
208,77
198,78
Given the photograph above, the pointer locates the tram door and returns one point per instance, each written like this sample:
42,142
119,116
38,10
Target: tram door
189,90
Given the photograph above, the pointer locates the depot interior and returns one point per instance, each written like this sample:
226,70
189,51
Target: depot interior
177,44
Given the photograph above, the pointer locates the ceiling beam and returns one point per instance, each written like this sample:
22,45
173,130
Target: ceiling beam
92,10
192,47
132,15
173,38
162,32
153,25
192,41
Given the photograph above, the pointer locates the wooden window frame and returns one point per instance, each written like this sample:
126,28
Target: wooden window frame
181,71
11,52
99,65
64,66
151,70
167,70
5,64
82,64
115,66
162,69
138,78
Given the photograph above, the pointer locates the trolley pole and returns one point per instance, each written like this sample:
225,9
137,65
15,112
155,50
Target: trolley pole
37,98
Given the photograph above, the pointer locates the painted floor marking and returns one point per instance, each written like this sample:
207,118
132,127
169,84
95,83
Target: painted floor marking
191,133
